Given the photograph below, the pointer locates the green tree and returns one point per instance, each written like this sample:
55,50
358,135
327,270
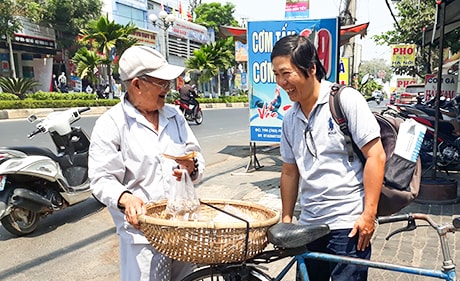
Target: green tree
210,59
413,18
68,17
108,38
377,68
87,62
213,15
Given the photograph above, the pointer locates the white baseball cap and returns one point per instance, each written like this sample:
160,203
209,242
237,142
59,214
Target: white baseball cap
137,61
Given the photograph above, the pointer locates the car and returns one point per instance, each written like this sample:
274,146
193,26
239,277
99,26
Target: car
411,93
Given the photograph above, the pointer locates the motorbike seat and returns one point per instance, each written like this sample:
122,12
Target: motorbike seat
33,150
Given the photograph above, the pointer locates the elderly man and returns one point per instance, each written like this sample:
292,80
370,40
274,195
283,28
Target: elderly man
126,166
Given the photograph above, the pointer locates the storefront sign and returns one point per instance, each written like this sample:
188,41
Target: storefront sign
403,55
344,71
192,31
448,86
145,37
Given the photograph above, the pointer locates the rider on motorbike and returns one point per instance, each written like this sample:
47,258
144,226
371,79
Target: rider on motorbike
188,94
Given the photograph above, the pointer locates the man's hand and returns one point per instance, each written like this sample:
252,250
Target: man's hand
365,227
134,206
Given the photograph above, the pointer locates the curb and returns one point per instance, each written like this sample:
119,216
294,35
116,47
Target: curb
98,110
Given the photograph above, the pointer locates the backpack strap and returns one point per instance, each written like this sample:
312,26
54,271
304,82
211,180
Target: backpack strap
341,120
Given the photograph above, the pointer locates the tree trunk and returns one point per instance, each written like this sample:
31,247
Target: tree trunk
10,46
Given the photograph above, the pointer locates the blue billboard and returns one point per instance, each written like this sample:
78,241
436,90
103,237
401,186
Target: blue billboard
268,102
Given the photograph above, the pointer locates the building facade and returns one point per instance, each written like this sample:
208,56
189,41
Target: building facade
34,47
176,42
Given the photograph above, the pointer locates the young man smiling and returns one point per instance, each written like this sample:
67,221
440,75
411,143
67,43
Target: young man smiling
333,191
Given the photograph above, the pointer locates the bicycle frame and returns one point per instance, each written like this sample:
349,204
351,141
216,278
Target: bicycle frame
446,274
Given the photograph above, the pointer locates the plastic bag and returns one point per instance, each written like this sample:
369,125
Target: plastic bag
183,203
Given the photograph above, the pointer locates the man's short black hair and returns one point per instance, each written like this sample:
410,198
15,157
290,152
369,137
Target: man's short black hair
302,53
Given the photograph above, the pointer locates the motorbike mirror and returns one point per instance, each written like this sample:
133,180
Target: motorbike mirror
365,79
32,118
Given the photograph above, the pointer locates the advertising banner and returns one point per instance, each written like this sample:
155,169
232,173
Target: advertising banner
268,102
43,72
448,86
297,9
344,71
241,52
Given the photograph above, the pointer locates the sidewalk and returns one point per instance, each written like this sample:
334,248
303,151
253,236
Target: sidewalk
229,180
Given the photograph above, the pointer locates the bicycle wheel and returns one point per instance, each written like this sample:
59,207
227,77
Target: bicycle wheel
227,274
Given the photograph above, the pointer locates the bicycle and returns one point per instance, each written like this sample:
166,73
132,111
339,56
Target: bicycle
290,240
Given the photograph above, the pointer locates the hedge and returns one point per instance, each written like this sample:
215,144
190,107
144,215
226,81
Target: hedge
66,100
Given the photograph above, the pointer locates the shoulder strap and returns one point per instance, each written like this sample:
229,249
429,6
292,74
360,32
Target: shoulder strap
340,118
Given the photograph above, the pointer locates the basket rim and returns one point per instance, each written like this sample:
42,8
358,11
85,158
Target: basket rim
210,224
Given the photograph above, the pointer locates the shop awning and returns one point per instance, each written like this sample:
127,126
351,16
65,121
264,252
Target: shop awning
452,22
349,31
346,32
238,33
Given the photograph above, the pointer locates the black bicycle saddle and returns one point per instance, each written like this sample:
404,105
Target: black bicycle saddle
289,235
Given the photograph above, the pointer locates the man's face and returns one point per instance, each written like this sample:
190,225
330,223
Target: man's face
291,79
149,92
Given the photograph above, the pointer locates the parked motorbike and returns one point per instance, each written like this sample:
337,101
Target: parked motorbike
190,112
36,182
448,144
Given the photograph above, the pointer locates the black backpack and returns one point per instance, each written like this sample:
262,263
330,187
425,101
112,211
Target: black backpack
402,177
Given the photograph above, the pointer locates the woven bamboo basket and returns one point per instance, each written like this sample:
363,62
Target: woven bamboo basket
206,241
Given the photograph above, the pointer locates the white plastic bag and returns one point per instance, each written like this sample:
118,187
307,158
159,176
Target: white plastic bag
410,138
183,203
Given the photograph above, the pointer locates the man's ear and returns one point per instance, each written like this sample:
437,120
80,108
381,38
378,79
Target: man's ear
135,82
312,70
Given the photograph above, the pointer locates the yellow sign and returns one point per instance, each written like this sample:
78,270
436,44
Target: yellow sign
403,55
344,71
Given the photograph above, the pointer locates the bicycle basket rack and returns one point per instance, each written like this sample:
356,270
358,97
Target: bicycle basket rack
206,241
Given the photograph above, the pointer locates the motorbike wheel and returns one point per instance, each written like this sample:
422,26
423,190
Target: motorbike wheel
199,117
21,221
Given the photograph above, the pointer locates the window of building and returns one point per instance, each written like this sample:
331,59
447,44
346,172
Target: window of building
125,14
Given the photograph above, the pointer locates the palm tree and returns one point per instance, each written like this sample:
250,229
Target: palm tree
87,62
106,37
211,58
18,86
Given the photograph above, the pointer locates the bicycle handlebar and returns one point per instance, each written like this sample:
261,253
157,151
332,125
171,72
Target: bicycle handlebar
390,219
455,226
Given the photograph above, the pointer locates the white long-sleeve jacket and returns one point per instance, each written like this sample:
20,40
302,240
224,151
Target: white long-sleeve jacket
126,155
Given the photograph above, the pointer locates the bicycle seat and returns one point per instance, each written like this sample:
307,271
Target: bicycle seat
289,235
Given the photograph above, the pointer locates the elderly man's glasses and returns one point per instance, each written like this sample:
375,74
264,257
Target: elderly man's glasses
165,86
310,142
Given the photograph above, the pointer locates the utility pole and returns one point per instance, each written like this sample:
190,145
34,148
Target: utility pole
348,17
